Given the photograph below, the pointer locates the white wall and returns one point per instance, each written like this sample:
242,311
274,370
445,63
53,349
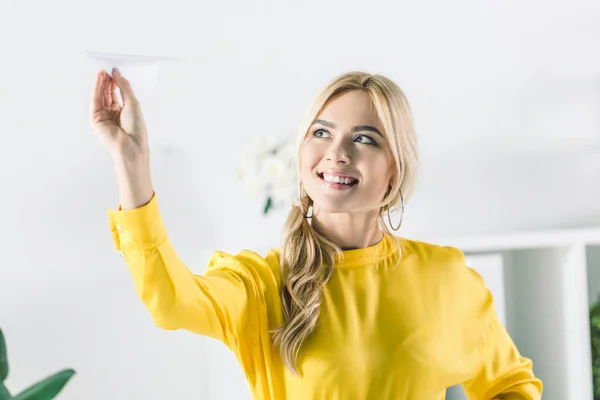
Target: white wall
506,99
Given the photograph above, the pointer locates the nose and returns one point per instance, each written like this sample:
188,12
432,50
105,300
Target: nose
338,153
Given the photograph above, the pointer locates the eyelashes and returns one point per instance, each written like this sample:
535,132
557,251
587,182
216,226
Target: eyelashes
316,131
370,140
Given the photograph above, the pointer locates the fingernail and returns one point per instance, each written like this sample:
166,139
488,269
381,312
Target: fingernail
116,71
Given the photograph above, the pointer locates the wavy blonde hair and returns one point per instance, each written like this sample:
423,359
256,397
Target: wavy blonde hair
307,257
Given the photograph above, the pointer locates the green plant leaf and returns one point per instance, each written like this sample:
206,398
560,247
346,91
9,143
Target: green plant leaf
268,205
47,388
3,358
4,393
595,339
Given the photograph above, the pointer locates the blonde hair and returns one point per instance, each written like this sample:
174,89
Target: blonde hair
307,257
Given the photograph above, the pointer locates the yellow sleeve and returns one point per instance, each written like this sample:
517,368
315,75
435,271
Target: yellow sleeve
504,373
225,303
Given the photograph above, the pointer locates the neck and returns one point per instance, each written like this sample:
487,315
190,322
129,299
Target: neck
348,231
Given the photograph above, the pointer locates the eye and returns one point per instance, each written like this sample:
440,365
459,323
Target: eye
320,133
364,139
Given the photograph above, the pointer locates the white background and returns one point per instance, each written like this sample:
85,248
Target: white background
506,97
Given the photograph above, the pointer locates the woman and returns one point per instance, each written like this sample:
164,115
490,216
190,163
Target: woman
345,309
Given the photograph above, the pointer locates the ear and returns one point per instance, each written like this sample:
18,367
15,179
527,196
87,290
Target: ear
389,189
393,177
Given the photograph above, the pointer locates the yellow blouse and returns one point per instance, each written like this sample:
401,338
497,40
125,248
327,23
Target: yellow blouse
407,332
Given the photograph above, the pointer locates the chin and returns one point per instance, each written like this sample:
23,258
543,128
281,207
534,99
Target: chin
331,208
330,205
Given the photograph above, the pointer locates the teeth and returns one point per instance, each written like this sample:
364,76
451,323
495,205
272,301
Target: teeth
337,179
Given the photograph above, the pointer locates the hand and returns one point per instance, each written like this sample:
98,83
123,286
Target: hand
120,127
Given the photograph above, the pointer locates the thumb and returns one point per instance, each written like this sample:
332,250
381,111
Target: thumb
125,88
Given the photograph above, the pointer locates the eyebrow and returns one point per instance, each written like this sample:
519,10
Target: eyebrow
358,128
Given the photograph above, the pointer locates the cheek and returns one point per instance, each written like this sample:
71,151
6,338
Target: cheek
380,172
309,159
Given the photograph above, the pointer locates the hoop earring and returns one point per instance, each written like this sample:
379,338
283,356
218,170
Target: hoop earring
309,207
401,214
298,203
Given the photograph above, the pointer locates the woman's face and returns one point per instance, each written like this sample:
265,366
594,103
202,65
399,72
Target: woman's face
345,162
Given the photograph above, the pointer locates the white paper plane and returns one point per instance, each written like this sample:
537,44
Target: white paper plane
141,71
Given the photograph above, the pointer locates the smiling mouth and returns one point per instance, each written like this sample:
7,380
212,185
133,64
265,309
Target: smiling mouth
337,182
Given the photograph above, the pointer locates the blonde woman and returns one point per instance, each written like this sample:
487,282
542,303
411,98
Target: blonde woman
344,309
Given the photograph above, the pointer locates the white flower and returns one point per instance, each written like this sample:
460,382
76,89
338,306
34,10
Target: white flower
253,185
283,193
273,169
268,167
288,151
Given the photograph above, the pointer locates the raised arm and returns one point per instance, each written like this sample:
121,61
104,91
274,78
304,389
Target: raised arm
224,302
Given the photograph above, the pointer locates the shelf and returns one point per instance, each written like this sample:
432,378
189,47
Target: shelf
519,240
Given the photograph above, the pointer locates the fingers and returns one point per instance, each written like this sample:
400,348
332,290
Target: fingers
97,102
106,92
116,99
125,88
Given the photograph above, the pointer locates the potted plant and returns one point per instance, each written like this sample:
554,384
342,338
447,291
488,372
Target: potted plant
595,339
45,389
